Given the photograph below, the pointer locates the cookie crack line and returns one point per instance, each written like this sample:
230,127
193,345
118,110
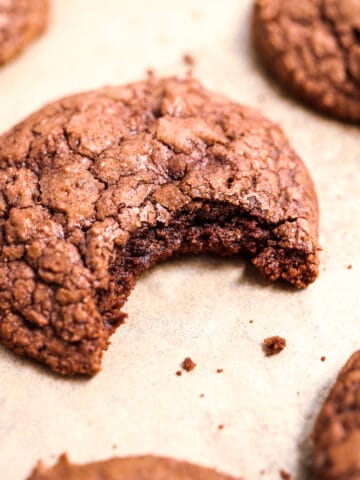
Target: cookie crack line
332,23
95,188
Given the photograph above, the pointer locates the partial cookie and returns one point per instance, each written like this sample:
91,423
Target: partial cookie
98,187
313,48
132,468
20,22
337,429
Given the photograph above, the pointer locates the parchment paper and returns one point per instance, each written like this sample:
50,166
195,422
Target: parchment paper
193,306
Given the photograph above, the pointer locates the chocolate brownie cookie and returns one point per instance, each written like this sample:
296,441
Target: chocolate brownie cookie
132,468
313,47
98,187
20,22
337,429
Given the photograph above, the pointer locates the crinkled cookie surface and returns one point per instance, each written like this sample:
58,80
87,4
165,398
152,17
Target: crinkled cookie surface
20,22
97,187
313,48
337,429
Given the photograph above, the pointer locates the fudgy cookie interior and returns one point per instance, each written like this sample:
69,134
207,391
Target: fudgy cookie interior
216,228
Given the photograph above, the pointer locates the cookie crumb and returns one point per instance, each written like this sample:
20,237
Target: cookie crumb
188,364
323,358
251,321
221,427
189,59
349,267
219,370
273,345
179,373
202,395
284,475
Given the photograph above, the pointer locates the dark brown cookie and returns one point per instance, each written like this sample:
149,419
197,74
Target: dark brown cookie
337,429
20,22
132,468
98,187
313,47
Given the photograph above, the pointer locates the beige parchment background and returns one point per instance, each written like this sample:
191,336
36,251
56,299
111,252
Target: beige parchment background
193,306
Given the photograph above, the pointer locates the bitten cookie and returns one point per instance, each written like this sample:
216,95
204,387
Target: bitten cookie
131,468
20,22
337,429
313,48
98,187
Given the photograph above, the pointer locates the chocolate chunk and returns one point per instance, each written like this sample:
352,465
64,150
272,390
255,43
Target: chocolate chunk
20,22
312,47
131,468
98,187
337,429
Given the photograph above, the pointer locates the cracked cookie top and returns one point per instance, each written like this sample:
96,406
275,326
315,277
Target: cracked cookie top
313,47
20,22
81,176
337,429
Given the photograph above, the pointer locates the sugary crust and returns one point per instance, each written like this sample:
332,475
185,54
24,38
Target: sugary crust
97,187
131,468
21,21
337,429
313,48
